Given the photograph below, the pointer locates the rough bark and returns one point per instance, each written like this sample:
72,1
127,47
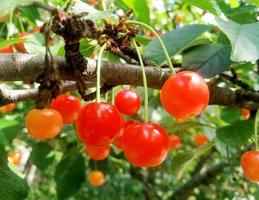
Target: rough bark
27,68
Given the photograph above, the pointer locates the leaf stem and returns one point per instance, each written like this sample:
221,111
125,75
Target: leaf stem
256,130
144,82
98,74
159,40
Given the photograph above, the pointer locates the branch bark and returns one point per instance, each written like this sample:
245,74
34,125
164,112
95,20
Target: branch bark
28,68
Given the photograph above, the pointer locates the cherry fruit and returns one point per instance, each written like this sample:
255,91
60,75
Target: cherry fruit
7,49
98,123
200,139
174,141
97,152
118,140
96,178
250,165
68,106
128,102
43,123
14,157
245,113
8,107
20,46
145,144
184,95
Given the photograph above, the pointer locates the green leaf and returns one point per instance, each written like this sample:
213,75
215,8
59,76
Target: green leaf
237,133
41,155
255,2
12,187
182,161
8,131
230,114
207,5
175,42
208,59
70,174
139,7
244,39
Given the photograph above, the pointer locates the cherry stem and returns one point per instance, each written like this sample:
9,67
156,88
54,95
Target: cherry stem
98,74
159,40
256,130
10,21
144,81
101,5
113,96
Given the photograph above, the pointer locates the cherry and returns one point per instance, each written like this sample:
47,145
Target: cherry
128,102
245,113
97,152
43,123
145,144
96,178
200,139
250,165
20,46
98,123
184,95
118,140
14,157
68,106
7,49
174,141
8,107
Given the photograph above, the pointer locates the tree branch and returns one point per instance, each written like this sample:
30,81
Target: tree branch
28,68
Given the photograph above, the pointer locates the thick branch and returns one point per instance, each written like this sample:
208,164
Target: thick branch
28,68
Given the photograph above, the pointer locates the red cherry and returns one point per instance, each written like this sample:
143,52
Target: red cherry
128,102
145,144
245,113
250,165
184,95
98,123
97,152
118,141
200,139
68,106
7,49
174,141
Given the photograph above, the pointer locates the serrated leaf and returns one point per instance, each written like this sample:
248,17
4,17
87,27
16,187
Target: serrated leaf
237,133
175,42
229,114
12,187
41,155
207,5
182,161
244,39
70,175
208,59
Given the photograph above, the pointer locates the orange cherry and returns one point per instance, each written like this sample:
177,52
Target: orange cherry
96,178
245,113
14,157
250,165
200,139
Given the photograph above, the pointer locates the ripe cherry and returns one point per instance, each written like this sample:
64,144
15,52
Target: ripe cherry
7,49
8,107
118,140
96,178
200,139
245,113
250,165
97,152
68,106
174,141
14,157
128,102
184,95
98,123
43,123
20,46
145,144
